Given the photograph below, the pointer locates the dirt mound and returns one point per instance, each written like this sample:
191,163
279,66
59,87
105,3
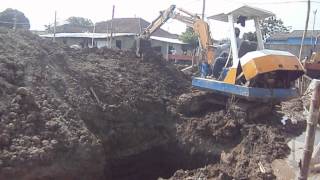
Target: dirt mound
64,112
105,114
246,149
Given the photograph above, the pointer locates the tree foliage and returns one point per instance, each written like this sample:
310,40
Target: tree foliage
79,21
189,37
268,27
273,25
12,17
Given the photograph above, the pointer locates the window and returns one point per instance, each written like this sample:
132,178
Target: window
118,44
170,49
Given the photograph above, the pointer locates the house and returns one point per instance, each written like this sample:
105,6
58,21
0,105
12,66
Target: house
124,32
292,41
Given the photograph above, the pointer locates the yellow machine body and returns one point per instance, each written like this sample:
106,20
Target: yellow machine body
264,61
203,31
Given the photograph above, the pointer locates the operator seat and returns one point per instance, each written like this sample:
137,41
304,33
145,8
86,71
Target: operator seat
245,47
218,66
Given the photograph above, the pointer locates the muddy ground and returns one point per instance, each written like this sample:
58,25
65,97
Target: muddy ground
105,114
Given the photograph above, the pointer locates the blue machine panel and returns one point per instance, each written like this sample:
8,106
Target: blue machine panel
249,93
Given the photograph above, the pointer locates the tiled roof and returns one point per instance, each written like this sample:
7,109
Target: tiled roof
130,25
119,25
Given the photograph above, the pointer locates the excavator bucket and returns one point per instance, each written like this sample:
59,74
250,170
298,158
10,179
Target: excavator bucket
142,46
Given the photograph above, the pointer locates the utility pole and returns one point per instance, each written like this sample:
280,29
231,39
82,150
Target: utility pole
314,21
111,34
312,122
93,33
203,8
305,30
302,42
15,22
54,26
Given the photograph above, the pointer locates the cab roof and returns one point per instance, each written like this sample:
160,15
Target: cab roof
245,10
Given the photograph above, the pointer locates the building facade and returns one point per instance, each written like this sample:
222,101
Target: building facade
292,41
124,32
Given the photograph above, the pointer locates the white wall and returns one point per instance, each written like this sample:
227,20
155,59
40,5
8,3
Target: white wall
101,43
165,46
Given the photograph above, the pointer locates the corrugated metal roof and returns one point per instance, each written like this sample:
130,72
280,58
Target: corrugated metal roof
87,35
245,10
106,35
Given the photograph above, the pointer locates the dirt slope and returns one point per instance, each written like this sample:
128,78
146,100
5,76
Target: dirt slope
64,111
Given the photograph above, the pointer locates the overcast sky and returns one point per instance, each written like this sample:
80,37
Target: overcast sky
292,12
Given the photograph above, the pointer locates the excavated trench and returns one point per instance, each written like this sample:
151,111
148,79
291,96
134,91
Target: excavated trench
144,145
156,162
156,142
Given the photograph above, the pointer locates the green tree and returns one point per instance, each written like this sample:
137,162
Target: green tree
189,37
273,25
12,17
79,21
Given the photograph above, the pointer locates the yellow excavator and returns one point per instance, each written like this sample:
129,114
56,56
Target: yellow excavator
257,77
143,43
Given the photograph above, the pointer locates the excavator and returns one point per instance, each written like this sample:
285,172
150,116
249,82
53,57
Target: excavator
253,79
312,64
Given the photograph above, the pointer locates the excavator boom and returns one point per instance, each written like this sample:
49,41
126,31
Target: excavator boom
142,42
200,27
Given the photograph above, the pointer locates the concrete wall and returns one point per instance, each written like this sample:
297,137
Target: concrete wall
127,43
101,43
165,47
74,41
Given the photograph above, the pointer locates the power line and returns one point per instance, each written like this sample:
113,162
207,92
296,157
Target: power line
278,2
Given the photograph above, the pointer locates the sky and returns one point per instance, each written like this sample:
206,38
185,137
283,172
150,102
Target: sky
41,12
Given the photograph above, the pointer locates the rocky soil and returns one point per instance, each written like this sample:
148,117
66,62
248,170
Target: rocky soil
105,114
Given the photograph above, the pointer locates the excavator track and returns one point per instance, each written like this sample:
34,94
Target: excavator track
199,101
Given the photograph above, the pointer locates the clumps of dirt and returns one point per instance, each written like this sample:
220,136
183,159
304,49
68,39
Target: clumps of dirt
68,114
253,156
211,133
41,134
207,172
246,149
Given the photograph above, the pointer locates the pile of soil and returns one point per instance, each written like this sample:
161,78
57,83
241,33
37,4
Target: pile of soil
105,114
244,147
66,114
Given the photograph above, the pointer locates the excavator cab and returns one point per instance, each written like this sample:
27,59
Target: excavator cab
252,72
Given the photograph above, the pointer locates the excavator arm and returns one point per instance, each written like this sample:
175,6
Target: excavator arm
142,42
201,28
158,22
